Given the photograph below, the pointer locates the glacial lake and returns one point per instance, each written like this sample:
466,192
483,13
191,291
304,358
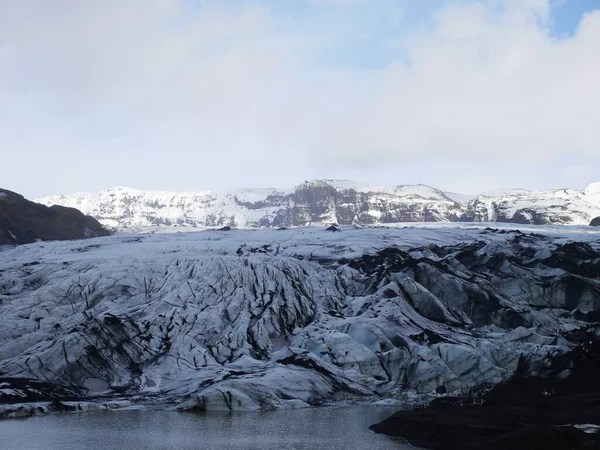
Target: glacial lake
311,429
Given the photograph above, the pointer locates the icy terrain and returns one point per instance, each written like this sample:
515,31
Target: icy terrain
272,319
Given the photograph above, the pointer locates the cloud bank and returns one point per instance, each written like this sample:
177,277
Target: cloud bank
182,95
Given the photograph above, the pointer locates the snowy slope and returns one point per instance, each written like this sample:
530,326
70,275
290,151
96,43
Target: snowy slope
463,199
326,201
560,206
315,201
408,192
122,207
283,319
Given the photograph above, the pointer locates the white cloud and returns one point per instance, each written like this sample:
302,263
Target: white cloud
480,84
155,94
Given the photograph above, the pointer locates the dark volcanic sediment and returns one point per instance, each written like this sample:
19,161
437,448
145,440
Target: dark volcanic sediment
524,413
23,222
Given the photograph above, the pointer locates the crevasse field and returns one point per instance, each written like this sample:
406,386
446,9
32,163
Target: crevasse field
280,319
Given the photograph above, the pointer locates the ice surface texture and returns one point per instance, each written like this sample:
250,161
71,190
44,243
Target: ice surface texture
283,319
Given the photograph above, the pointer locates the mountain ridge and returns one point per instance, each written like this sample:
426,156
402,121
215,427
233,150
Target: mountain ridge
331,201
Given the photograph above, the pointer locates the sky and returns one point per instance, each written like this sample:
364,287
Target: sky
463,95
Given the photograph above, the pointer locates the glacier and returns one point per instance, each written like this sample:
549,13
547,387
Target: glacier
272,319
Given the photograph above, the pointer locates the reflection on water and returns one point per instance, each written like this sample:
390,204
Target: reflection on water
315,428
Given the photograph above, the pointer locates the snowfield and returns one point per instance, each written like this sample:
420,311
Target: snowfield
267,319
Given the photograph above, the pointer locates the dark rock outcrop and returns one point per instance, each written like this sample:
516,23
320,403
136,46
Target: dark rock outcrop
595,222
23,222
23,390
524,413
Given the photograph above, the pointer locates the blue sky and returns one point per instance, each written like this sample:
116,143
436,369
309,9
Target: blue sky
364,28
463,95
567,14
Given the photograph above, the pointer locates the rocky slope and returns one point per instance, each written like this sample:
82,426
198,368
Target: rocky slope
285,319
22,221
324,201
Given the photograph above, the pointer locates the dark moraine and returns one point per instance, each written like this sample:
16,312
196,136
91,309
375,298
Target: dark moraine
524,413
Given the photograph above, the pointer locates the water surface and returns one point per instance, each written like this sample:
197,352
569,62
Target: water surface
314,428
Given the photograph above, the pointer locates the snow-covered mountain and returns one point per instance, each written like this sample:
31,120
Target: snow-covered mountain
326,201
558,206
320,201
264,319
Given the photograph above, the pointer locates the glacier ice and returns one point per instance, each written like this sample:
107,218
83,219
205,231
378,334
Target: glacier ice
264,319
